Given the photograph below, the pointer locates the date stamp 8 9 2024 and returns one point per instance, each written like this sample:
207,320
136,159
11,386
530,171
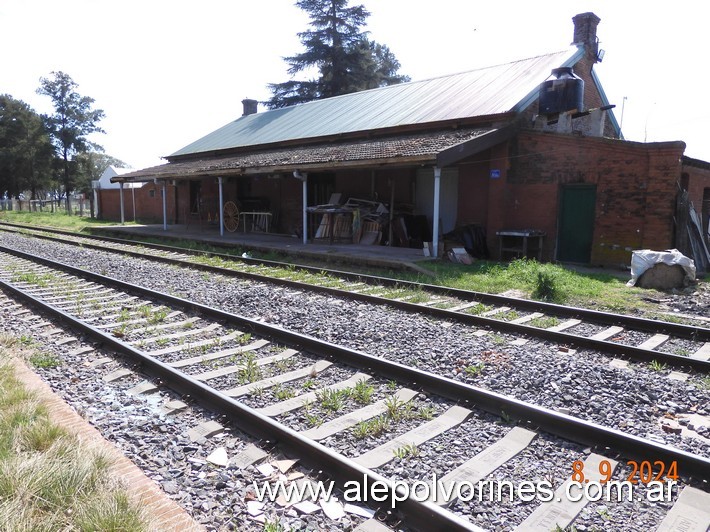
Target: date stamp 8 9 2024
642,472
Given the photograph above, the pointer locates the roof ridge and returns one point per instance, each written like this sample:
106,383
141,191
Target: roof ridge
424,80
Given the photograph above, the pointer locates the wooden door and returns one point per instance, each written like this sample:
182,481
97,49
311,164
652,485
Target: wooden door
576,223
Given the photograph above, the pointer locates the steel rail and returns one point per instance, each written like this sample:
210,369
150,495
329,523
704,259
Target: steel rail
606,318
565,426
563,338
420,515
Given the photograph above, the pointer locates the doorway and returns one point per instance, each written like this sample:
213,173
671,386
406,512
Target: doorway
195,190
320,188
576,223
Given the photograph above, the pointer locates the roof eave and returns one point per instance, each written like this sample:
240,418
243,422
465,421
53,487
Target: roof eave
355,135
393,162
697,163
605,101
469,148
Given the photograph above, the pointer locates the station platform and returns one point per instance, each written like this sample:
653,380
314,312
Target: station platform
292,247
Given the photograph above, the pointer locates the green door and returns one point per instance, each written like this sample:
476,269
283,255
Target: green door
576,229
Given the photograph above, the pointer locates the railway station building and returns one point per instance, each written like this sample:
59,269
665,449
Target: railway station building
524,157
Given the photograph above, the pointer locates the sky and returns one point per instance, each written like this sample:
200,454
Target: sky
167,72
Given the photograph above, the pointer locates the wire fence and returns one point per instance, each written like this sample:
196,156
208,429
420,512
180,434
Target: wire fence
79,207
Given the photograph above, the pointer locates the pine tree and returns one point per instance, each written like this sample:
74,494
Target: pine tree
346,60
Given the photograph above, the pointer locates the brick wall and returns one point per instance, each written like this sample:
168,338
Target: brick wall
284,195
635,199
148,204
592,100
474,180
362,184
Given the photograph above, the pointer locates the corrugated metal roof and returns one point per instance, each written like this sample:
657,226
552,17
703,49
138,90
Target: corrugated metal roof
482,92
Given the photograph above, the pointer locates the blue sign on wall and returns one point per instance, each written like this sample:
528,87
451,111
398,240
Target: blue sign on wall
495,174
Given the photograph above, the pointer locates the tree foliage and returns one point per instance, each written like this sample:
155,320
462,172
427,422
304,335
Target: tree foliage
26,151
73,120
90,167
337,48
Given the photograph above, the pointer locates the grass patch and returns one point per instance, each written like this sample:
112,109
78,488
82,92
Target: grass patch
548,282
406,451
704,383
538,281
362,392
282,393
478,308
498,339
42,280
655,365
508,316
333,400
544,322
44,360
251,371
371,427
157,316
397,409
546,288
48,479
474,370
56,219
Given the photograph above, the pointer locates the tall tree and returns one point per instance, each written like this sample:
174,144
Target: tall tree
378,66
73,120
346,60
25,149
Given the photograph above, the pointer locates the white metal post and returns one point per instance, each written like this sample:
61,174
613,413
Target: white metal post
120,186
305,206
221,208
165,206
437,190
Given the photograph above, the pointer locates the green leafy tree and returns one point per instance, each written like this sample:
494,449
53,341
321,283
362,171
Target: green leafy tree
378,66
73,120
337,48
90,167
26,151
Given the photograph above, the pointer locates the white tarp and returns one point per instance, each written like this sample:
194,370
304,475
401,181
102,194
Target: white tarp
645,259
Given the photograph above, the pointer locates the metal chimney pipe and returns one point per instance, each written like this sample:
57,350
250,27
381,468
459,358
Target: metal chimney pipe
250,106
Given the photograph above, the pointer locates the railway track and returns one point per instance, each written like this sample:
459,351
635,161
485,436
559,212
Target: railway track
677,345
245,369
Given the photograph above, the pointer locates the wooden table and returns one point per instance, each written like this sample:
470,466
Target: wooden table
517,242
260,220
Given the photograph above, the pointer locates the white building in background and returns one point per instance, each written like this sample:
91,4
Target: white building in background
104,183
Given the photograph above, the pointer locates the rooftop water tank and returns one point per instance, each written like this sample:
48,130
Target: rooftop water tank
564,93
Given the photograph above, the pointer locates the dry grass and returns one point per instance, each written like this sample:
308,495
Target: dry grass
48,479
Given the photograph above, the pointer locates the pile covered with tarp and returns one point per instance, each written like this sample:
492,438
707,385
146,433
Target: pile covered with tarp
645,259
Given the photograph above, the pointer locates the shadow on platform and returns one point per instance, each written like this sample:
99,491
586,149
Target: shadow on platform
346,253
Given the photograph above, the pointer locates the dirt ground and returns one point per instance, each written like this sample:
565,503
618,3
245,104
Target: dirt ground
693,300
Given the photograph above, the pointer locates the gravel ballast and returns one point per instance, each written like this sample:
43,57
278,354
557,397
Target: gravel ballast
579,383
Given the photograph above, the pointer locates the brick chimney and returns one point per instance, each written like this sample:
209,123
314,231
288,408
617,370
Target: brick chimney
585,33
250,106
